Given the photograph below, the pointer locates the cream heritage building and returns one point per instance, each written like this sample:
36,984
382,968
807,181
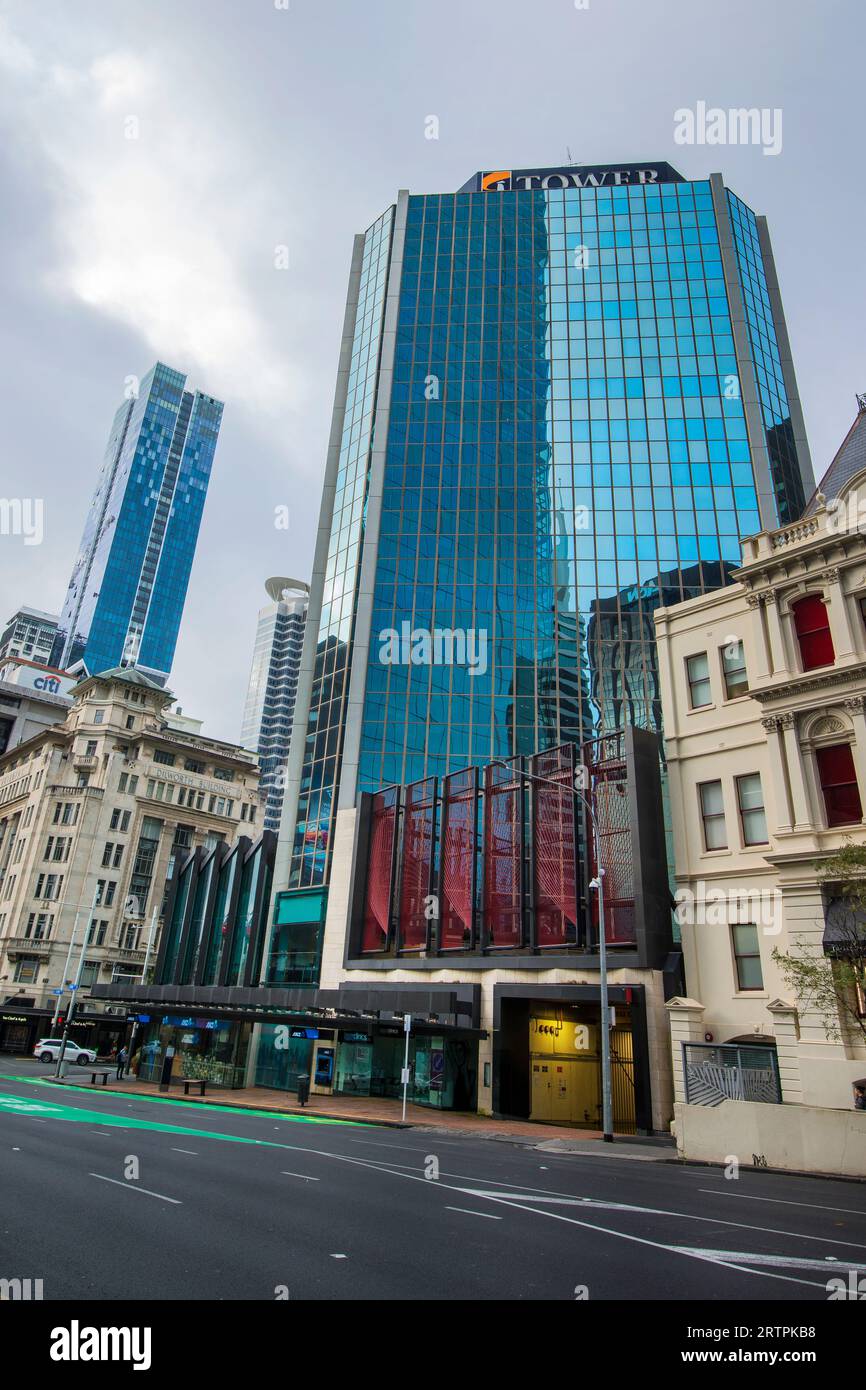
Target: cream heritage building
94,813
763,688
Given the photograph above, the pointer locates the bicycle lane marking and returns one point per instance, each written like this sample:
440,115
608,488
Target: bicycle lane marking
197,1106
21,1105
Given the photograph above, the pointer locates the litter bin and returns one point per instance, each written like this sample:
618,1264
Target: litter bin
303,1087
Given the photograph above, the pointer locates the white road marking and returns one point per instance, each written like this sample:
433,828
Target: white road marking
591,1226
554,1216
600,1205
488,1216
747,1257
286,1174
105,1132
376,1144
194,1152
339,1257
781,1202
653,1244
381,1163
133,1187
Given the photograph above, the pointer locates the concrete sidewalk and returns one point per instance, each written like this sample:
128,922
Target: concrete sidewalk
370,1110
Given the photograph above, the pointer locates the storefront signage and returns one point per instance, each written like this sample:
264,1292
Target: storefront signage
304,1033
175,1021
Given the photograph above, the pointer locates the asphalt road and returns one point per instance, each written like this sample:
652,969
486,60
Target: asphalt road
105,1198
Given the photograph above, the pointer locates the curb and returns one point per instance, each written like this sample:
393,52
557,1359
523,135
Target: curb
776,1172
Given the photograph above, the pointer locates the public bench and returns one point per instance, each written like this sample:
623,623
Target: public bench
199,1081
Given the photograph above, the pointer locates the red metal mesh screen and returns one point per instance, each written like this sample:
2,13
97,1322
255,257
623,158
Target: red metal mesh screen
554,835
456,855
380,865
416,862
608,776
502,856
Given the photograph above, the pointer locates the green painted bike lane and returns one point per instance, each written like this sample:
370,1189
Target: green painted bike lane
55,1110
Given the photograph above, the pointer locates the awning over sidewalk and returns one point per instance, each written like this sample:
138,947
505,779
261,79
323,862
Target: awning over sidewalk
353,1010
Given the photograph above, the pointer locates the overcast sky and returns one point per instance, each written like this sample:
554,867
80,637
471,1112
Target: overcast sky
260,126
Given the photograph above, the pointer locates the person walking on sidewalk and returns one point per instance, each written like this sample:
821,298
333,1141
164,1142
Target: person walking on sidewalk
122,1058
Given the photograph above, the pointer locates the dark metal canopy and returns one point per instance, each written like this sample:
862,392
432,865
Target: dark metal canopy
349,1011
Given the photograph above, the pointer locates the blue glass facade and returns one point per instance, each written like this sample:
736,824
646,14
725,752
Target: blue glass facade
567,448
766,362
126,595
327,700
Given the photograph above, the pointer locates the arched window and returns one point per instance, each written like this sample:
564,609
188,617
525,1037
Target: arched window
812,627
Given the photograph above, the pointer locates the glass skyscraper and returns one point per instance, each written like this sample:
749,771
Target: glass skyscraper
564,396
273,686
126,595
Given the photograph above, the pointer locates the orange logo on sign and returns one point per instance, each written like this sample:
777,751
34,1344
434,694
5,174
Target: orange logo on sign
496,177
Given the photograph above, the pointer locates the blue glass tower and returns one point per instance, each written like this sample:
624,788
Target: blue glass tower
126,595
564,396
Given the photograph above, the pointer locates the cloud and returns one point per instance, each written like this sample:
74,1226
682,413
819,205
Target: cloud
159,223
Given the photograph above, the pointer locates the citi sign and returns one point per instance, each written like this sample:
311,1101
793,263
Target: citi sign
50,684
508,179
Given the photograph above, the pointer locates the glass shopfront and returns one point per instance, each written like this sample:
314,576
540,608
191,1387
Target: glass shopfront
285,1053
443,1071
211,1049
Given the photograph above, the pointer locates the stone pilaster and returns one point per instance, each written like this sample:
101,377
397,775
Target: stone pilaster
778,654
686,1018
787,1050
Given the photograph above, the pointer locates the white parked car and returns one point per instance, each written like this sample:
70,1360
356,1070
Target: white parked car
48,1050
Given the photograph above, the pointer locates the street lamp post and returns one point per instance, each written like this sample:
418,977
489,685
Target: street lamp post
58,1073
153,920
65,981
598,884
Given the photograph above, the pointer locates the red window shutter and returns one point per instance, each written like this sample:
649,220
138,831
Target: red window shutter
839,784
813,632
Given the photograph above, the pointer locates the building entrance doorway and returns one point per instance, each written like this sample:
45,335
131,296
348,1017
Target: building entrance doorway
565,1069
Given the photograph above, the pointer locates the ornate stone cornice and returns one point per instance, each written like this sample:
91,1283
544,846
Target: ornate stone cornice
809,681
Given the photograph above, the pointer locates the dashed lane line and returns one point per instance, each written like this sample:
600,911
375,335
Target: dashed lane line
133,1187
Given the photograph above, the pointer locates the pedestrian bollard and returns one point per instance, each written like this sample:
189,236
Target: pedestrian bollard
303,1088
